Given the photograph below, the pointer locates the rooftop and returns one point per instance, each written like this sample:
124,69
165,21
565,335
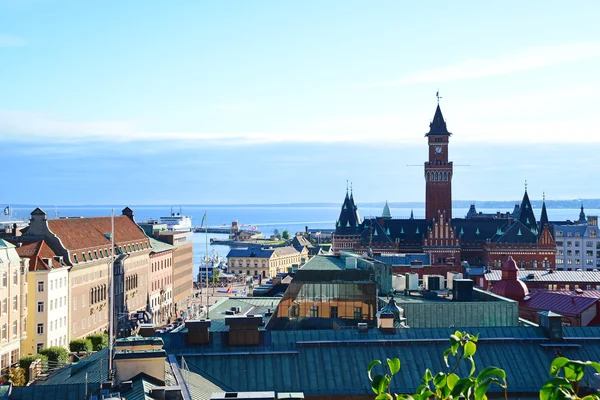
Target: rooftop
548,276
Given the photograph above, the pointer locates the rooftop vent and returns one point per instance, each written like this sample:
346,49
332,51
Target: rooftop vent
363,327
530,276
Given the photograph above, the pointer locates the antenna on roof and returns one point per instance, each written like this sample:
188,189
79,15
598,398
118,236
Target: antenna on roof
437,94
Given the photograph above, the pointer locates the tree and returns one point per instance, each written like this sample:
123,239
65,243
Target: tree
285,235
450,386
16,376
276,232
80,345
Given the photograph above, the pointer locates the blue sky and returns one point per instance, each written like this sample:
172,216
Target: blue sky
279,102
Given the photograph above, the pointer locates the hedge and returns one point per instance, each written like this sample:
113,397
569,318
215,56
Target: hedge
80,345
57,356
25,362
99,341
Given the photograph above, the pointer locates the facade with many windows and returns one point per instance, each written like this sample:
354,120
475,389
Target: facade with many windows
13,304
48,301
265,262
578,245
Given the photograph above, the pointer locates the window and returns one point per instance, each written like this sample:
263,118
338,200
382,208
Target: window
51,325
4,332
51,284
75,258
83,257
357,312
96,254
569,244
569,252
38,347
40,286
15,303
40,329
314,311
559,233
24,325
589,243
4,306
593,233
333,312
15,277
14,328
559,243
4,279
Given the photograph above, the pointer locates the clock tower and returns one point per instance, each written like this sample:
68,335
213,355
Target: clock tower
438,170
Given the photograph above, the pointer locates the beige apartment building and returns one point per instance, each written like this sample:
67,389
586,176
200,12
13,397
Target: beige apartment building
48,289
183,265
266,262
84,244
161,282
13,304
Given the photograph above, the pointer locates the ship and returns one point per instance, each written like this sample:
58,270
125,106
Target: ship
177,221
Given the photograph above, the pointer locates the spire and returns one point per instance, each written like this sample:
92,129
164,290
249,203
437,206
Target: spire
386,211
438,125
582,218
544,217
411,214
349,220
526,215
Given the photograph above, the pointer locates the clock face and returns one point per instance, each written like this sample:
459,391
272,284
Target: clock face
438,149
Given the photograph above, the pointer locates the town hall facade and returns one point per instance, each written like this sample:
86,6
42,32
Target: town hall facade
479,239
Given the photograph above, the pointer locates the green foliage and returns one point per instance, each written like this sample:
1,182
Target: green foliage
80,345
449,385
564,383
99,341
16,375
57,356
566,375
285,235
25,362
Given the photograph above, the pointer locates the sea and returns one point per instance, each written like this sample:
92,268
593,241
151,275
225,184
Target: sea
267,218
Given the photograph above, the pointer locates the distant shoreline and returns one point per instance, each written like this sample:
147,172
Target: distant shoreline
484,204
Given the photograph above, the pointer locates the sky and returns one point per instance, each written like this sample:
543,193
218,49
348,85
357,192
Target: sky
227,102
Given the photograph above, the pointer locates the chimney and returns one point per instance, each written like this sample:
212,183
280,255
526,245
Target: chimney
128,212
130,363
244,330
198,331
462,290
552,324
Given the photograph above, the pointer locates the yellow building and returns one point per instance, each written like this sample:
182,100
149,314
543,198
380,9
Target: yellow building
267,262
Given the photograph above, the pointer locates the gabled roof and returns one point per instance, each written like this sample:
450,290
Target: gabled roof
38,252
85,233
516,232
438,125
564,302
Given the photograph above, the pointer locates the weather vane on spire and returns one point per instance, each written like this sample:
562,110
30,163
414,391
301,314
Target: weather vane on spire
437,94
525,184
544,196
346,185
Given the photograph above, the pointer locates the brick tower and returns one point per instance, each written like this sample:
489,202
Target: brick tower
438,170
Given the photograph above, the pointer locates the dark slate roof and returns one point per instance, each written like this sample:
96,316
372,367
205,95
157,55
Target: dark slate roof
526,215
253,252
516,232
303,360
372,231
477,230
438,125
349,220
388,230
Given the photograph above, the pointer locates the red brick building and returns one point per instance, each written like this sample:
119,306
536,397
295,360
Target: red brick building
479,239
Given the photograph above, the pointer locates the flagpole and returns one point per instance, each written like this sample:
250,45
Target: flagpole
111,294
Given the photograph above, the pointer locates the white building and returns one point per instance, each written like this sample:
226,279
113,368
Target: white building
578,245
13,304
48,297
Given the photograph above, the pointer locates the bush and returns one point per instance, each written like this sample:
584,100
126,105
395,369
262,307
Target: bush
26,361
285,235
57,356
80,345
16,375
99,341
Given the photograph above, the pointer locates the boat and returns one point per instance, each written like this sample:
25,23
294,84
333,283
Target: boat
210,264
177,221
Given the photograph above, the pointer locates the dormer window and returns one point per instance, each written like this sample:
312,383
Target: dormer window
83,257
95,254
559,233
90,254
75,258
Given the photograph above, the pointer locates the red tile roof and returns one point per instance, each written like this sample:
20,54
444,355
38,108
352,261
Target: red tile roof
37,251
562,302
89,233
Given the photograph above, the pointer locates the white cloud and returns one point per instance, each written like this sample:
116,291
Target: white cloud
532,58
11,41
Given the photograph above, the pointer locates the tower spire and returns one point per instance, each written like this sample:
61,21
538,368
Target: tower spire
544,216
